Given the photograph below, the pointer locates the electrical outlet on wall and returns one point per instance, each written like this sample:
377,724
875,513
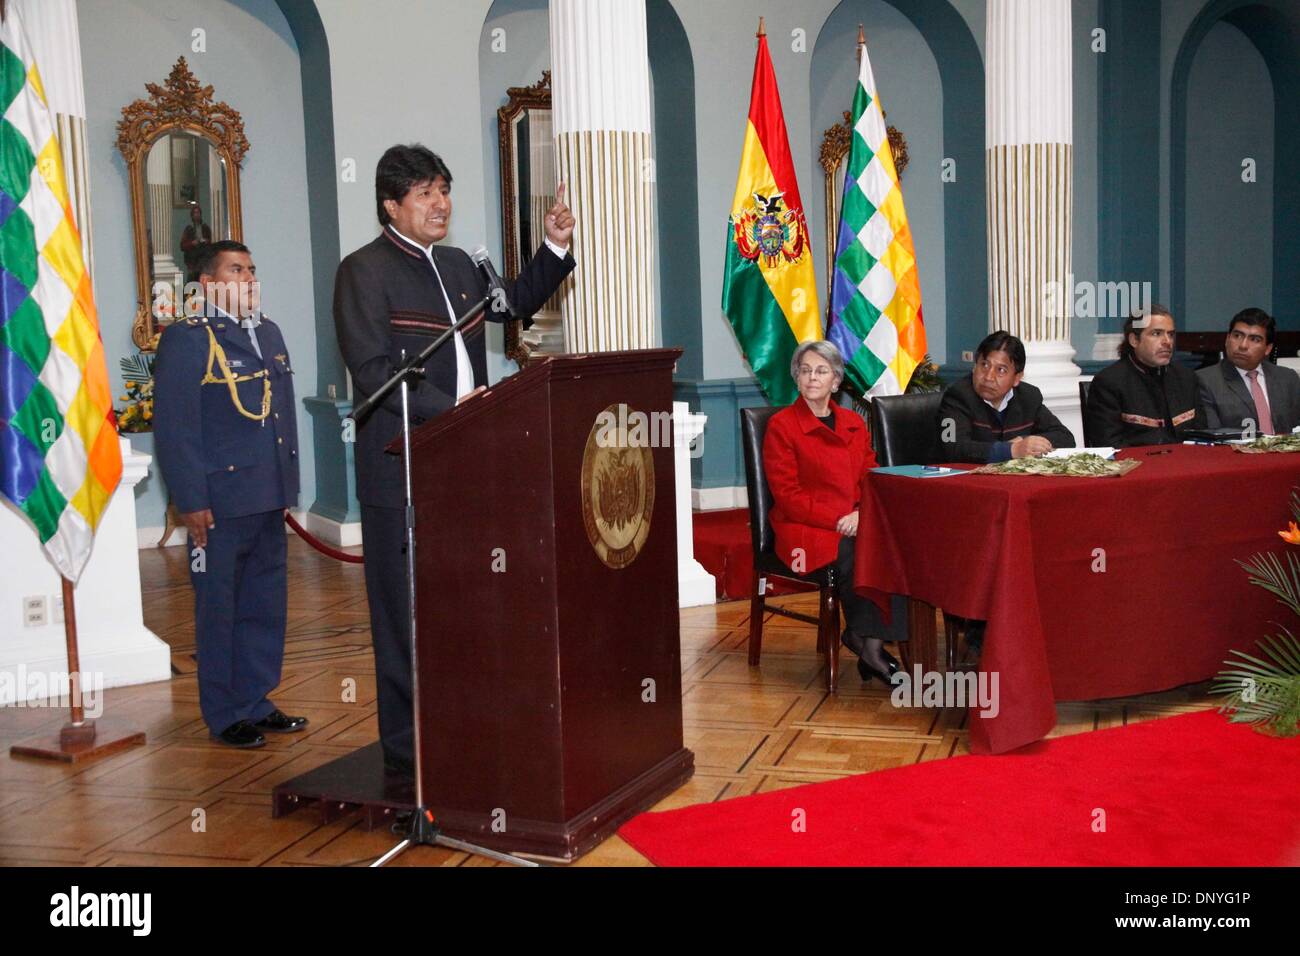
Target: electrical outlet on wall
967,355
34,612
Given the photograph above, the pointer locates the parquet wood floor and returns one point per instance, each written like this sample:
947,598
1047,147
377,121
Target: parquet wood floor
183,800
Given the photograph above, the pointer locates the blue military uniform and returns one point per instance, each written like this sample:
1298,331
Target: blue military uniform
227,440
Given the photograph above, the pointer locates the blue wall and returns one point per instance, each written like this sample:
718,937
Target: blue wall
1229,261
1272,28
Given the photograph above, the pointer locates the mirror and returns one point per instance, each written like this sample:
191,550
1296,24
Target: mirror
182,153
528,178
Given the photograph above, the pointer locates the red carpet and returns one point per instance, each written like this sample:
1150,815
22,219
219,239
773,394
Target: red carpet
1192,790
722,545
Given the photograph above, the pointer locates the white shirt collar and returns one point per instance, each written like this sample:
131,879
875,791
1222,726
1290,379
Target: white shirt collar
1245,375
428,250
1006,400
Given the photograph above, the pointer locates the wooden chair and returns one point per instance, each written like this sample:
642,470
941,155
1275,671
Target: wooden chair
753,426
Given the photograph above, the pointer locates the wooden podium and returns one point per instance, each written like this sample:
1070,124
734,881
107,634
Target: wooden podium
549,662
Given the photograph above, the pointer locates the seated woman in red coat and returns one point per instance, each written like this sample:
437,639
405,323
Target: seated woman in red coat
815,454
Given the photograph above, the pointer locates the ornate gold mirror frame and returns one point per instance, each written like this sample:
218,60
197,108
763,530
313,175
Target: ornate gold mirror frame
180,105
520,100
834,151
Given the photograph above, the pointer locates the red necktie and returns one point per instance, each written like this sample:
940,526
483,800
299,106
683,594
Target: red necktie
1261,403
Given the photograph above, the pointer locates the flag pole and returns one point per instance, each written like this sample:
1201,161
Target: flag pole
830,288
79,739
74,662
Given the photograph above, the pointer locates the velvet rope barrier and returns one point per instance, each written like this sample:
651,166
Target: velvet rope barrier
320,545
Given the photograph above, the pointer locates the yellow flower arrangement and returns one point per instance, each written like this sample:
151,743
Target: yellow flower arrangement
137,416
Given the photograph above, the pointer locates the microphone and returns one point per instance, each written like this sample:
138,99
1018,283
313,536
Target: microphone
496,287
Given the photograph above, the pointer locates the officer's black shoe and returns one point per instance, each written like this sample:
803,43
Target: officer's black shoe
277,721
241,734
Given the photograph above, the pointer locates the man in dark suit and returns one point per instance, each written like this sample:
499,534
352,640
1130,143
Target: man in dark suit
391,297
1146,398
995,415
1245,391
227,441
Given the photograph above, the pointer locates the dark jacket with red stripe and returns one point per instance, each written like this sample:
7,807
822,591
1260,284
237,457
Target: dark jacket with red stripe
1132,404
386,299
970,430
815,475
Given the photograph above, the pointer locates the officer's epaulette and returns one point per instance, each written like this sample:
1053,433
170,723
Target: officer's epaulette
197,320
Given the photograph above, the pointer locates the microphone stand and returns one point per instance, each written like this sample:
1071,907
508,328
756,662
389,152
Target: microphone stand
424,829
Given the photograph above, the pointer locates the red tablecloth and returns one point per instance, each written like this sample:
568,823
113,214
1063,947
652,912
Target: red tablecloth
1020,551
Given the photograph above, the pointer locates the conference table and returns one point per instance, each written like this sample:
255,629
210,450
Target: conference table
1092,587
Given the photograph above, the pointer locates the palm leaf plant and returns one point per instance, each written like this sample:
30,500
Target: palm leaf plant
1265,691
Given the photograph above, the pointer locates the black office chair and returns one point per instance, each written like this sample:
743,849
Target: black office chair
905,431
1089,438
753,426
905,428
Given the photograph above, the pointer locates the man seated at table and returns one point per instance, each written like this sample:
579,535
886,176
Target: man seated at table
1243,390
1145,398
994,415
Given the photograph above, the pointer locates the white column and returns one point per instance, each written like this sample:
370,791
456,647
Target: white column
1028,139
600,99
695,585
216,195
115,647
158,204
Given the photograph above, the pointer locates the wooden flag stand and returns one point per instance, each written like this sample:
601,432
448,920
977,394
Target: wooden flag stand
80,739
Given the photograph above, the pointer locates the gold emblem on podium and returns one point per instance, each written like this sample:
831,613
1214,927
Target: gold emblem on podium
618,487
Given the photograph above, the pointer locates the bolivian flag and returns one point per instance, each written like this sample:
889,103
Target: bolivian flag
769,290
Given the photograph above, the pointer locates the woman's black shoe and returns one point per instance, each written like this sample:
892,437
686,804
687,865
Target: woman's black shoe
866,671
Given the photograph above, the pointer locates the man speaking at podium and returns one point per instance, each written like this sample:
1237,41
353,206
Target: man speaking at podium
393,296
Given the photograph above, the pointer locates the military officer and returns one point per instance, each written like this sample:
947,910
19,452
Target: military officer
227,444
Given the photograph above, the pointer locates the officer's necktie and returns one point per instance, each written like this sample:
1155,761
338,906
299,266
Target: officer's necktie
1261,403
250,326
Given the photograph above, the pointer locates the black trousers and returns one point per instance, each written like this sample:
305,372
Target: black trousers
861,614
383,538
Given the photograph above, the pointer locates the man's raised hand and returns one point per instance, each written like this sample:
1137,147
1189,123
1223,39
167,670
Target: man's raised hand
559,220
